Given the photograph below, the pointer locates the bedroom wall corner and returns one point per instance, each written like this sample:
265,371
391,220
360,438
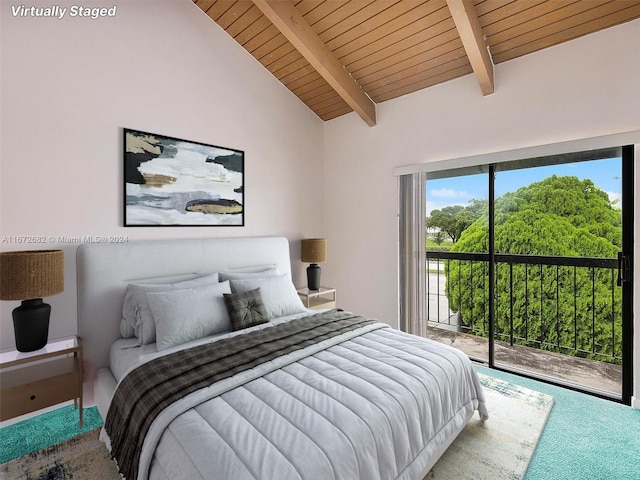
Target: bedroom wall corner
70,85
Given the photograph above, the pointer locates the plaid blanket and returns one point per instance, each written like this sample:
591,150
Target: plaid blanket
153,386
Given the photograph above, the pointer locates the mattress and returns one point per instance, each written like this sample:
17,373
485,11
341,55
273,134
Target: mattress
370,404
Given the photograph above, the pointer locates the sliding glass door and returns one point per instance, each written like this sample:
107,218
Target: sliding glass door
526,267
457,286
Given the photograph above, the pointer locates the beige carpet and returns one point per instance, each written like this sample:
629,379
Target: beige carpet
500,448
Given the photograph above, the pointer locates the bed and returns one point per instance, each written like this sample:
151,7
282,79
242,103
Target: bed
205,364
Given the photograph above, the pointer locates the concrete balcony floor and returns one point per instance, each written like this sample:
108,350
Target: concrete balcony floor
599,377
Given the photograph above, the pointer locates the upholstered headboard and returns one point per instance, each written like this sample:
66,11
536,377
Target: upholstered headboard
105,270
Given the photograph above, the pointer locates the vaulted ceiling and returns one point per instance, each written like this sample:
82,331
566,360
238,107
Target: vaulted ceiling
340,56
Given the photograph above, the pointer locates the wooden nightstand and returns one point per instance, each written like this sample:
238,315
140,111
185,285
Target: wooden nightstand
318,299
30,381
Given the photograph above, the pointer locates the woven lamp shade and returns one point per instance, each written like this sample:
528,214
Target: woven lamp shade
31,274
314,250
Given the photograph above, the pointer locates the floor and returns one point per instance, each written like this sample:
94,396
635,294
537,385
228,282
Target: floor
599,377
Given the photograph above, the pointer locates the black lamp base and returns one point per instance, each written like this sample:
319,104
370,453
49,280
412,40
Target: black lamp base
31,325
313,277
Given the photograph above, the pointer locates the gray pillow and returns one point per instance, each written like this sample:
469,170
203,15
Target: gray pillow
136,312
245,309
184,315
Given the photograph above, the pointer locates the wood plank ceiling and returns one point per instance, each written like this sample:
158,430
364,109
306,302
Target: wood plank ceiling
340,56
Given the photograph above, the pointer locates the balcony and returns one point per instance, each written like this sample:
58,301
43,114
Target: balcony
556,317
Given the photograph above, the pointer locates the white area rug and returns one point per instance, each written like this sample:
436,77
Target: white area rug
500,448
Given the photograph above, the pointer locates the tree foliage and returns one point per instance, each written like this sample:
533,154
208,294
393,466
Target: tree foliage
553,307
438,237
454,219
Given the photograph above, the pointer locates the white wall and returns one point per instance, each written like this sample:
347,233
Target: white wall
69,87
584,88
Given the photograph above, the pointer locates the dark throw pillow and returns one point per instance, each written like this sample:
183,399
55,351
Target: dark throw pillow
246,309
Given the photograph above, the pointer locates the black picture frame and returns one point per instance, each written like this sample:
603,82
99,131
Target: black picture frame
173,182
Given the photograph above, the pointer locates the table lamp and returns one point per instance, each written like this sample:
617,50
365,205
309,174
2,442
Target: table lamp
28,276
313,251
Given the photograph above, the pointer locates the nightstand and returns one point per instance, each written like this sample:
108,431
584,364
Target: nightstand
318,299
30,381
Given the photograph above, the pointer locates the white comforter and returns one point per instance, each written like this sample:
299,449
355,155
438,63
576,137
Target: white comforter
370,404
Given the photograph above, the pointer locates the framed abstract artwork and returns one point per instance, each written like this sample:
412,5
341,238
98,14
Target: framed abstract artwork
173,182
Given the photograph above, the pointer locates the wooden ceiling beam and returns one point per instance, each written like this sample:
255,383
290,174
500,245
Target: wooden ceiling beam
292,25
468,26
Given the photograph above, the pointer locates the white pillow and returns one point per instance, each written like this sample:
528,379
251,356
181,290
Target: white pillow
135,310
184,315
278,294
126,330
267,272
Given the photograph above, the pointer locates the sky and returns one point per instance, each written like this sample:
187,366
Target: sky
605,174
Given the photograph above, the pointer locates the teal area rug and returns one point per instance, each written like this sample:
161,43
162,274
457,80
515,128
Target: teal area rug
585,437
45,430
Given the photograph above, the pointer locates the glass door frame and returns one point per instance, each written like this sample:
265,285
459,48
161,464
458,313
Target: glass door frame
625,273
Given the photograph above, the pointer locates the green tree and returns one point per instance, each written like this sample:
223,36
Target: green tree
554,307
438,237
454,219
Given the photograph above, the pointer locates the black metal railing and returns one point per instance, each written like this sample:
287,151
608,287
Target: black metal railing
569,305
